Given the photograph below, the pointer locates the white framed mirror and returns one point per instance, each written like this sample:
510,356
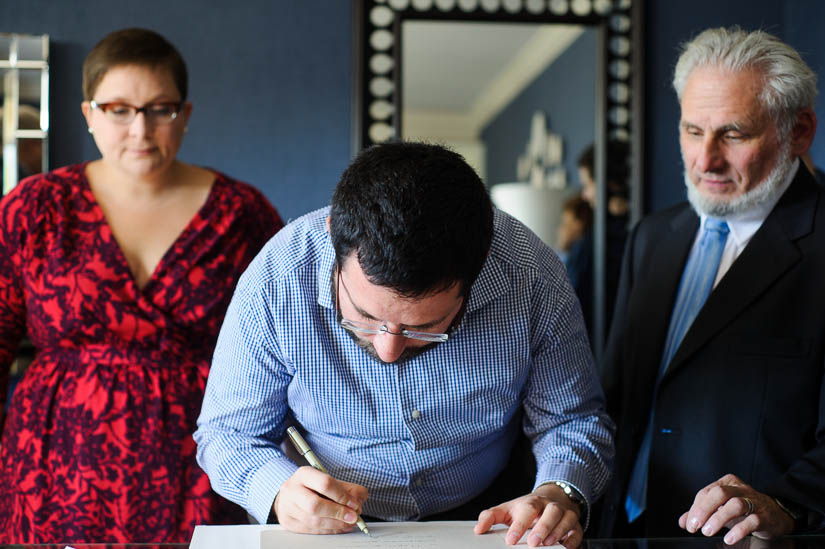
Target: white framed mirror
24,70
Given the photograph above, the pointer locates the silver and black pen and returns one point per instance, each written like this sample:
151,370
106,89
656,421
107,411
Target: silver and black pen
304,449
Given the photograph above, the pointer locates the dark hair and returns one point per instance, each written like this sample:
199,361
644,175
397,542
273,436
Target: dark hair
132,47
580,208
618,170
417,216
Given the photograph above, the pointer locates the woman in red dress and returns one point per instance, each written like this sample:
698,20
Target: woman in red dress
120,271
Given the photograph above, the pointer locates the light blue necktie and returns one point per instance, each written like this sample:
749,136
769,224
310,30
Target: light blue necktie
694,288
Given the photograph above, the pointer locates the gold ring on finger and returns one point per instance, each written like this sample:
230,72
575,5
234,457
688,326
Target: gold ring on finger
750,506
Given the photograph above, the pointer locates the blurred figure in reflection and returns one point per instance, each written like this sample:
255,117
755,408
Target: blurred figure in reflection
121,271
580,255
29,151
576,220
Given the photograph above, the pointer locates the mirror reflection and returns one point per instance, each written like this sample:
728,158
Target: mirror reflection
513,100
23,106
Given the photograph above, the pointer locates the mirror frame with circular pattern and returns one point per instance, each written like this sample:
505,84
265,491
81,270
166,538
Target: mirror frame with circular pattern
619,80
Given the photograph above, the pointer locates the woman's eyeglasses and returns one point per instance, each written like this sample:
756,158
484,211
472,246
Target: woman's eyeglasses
123,113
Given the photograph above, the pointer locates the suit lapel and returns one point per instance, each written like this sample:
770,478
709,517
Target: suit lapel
771,252
662,273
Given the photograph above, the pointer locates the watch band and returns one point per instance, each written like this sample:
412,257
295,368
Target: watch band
574,495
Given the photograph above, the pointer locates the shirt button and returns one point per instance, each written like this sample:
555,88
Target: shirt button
418,482
416,414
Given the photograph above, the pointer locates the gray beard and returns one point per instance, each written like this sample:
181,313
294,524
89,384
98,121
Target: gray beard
766,191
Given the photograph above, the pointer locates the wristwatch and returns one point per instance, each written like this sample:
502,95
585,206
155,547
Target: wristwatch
574,495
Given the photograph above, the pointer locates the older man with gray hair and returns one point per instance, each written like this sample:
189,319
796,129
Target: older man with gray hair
715,363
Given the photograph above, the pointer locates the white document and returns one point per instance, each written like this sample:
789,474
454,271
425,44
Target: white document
393,535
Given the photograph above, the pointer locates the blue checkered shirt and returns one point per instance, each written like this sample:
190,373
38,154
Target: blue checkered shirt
425,435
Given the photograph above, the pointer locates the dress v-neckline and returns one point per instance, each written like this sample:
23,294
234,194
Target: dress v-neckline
141,291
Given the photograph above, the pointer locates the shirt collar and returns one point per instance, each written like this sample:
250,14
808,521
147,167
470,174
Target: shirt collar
744,225
326,263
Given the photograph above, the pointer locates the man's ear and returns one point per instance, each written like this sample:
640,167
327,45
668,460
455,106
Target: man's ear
802,134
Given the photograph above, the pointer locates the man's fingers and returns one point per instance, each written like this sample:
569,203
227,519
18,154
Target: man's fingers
524,513
568,523
298,521
548,520
313,502
318,510
554,524
543,528
489,517
574,538
744,528
708,502
730,513
332,489
516,531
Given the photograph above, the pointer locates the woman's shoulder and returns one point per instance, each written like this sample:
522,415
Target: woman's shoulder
43,199
48,188
241,195
235,187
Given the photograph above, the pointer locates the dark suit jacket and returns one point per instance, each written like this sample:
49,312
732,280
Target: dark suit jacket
745,392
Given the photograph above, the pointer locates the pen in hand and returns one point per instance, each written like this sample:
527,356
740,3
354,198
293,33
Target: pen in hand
304,449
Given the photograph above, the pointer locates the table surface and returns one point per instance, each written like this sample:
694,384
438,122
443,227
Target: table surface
790,542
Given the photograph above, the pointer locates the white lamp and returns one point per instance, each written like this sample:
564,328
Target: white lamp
538,208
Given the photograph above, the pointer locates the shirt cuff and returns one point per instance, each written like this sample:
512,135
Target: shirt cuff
265,485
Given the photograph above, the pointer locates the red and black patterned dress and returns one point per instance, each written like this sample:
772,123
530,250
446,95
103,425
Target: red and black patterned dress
97,441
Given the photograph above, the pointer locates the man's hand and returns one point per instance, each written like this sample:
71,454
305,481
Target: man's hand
725,503
548,511
312,502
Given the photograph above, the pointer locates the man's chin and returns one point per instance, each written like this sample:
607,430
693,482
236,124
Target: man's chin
707,202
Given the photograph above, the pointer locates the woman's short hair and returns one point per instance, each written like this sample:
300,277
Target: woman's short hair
140,47
789,84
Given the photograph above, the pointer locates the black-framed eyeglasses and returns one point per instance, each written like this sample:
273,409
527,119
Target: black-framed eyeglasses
163,112
366,328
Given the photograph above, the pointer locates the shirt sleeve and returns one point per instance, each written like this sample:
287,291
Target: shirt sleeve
564,405
244,410
12,302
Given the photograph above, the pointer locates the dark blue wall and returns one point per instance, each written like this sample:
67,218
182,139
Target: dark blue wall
565,91
270,82
803,29
668,24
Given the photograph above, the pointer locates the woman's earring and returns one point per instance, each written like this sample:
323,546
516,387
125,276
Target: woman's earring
90,130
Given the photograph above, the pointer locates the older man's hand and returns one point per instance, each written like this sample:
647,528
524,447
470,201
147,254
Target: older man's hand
730,503
553,517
